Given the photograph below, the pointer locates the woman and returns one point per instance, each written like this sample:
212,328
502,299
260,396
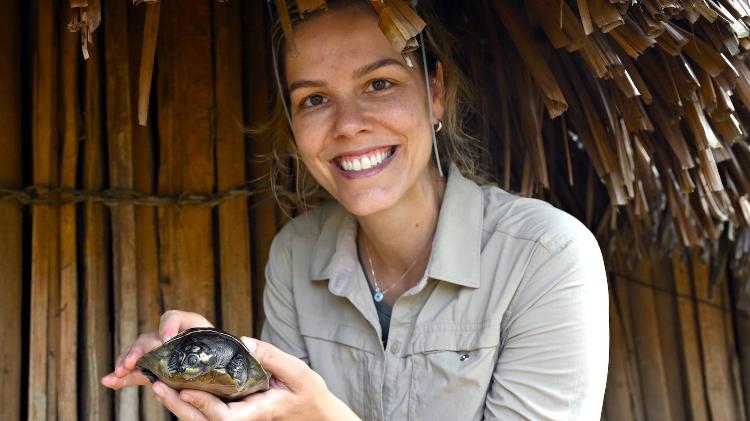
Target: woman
410,295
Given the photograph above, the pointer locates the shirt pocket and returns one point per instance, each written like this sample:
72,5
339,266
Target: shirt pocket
451,371
340,354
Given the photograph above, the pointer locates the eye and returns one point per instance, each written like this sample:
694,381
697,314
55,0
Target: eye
192,360
313,100
379,85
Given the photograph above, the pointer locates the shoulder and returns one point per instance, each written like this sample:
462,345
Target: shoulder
311,225
532,221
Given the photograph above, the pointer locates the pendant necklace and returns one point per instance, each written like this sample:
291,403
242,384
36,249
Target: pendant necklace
379,294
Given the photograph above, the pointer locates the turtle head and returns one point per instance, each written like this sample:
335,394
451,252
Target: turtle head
192,359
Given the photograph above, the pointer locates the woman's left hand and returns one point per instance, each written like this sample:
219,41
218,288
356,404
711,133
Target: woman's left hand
297,392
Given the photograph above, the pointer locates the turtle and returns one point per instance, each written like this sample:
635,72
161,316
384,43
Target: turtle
206,359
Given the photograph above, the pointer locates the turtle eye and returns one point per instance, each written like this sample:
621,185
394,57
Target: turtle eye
192,360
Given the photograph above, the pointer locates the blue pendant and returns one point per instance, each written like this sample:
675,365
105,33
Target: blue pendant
378,296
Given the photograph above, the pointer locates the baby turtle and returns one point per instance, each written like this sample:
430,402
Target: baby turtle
206,359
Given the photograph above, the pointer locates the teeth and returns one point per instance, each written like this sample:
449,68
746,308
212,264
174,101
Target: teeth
365,162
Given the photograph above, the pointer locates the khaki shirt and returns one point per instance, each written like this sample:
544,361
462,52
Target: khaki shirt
511,322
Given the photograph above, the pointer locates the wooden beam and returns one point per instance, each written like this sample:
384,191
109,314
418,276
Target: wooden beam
234,233
264,218
67,408
120,146
716,370
147,257
646,339
186,143
10,212
690,347
97,340
43,133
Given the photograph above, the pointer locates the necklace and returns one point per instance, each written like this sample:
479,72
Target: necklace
379,294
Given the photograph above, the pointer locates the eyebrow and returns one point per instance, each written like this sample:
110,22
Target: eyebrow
387,61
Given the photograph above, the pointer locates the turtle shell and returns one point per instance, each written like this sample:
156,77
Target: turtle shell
206,359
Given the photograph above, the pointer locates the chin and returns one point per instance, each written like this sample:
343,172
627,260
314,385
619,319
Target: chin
365,204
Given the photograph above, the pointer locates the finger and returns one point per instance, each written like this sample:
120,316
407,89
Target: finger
119,369
211,406
171,399
173,322
114,381
289,369
145,343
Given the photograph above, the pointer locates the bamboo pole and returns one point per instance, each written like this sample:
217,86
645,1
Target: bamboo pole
10,214
97,342
120,144
147,257
234,235
43,142
185,96
67,408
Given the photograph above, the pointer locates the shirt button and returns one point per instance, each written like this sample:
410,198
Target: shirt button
395,347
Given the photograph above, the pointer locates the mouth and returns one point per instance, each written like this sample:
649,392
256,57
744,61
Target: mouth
365,162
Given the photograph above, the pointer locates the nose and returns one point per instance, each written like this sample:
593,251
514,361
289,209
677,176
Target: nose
350,120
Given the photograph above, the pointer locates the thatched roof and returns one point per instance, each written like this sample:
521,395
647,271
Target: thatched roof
652,95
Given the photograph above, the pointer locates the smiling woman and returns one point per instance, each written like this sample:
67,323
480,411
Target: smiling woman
406,294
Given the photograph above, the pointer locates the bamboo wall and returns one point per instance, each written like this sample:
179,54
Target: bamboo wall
105,223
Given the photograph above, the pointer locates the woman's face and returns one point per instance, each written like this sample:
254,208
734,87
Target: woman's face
359,113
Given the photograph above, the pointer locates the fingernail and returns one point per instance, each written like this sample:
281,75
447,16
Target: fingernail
187,398
158,391
250,344
165,338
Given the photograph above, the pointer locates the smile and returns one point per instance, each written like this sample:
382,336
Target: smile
361,163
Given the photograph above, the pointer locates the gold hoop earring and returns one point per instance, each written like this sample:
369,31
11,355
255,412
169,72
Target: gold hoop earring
439,126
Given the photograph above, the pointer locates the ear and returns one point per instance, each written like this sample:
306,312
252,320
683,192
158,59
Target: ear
437,86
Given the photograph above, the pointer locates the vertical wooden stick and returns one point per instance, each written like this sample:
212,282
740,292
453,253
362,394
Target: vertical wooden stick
43,139
96,292
120,141
234,241
150,32
719,387
10,213
186,101
67,408
147,258
690,349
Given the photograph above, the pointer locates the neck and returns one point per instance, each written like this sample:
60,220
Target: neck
402,234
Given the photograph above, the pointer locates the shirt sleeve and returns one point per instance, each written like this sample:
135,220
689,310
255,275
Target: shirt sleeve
554,355
281,327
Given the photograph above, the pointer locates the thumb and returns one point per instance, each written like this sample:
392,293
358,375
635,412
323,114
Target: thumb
288,369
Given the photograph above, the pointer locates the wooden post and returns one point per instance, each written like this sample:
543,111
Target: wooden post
10,212
186,142
43,143
690,348
716,369
147,258
67,408
234,241
619,402
263,212
120,142
97,311
666,315
646,339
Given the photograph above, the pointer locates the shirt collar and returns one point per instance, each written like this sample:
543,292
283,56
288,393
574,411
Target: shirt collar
455,249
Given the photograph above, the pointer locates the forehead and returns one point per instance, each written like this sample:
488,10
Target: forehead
337,40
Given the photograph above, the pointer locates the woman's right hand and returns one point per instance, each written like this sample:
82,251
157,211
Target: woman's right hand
172,322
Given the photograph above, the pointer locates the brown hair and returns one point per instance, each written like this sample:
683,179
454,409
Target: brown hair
292,185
